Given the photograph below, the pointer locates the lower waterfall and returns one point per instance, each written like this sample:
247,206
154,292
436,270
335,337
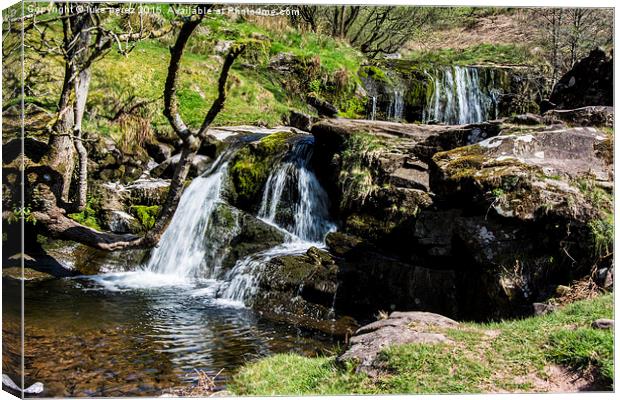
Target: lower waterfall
293,201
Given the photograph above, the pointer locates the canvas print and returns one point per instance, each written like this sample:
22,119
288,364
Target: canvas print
237,199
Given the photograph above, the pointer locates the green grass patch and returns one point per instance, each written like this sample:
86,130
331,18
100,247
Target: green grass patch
504,54
584,348
483,357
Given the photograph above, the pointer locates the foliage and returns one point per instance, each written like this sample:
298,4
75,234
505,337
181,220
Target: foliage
511,54
356,178
89,215
252,164
484,357
147,215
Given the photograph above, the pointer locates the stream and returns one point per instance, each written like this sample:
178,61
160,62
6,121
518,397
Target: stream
145,331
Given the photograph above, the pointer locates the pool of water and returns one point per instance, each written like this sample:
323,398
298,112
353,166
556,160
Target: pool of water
84,337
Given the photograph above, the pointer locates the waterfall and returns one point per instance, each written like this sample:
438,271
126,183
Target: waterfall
294,201
182,248
373,108
305,197
460,98
193,246
397,105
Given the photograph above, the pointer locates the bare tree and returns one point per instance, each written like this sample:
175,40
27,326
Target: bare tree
44,191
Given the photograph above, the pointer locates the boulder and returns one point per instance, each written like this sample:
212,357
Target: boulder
160,152
399,328
165,170
233,235
324,108
300,120
535,213
148,191
301,290
588,83
584,116
522,175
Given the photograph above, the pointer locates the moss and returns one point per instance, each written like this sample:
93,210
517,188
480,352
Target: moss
88,216
356,174
375,73
147,215
252,164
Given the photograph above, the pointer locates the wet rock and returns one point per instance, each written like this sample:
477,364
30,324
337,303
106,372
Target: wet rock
300,120
165,170
301,289
79,259
29,274
603,324
585,116
121,222
399,328
588,83
324,108
159,151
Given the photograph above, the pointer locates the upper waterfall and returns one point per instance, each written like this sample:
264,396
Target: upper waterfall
459,97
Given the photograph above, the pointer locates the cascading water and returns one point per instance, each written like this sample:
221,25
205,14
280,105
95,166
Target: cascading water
397,105
460,98
182,248
307,201
192,248
294,201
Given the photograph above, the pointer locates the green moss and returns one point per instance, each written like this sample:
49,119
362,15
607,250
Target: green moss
88,216
147,215
252,164
375,73
357,181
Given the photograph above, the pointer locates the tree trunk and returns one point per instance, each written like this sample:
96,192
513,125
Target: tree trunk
82,84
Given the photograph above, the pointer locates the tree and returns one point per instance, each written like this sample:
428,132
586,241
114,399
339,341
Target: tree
85,40
570,34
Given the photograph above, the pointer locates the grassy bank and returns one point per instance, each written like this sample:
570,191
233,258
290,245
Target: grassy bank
542,353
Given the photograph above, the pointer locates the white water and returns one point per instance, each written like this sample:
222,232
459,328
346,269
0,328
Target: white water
188,254
310,222
308,227
397,105
458,98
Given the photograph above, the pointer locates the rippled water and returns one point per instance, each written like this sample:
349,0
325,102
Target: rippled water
85,340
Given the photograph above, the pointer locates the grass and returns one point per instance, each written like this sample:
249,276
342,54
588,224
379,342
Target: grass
503,356
505,54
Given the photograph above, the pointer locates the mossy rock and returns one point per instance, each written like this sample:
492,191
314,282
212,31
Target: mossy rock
147,215
251,166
